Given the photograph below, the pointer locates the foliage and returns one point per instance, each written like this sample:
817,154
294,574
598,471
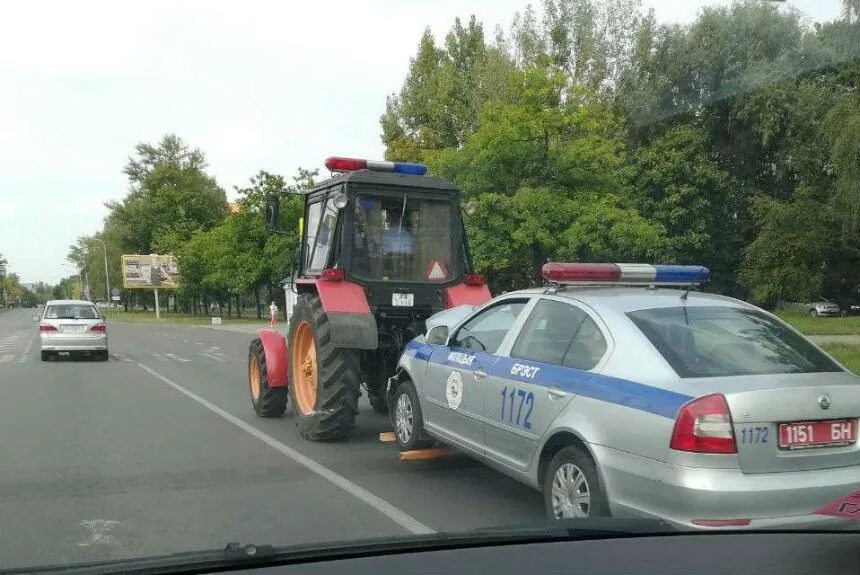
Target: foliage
733,142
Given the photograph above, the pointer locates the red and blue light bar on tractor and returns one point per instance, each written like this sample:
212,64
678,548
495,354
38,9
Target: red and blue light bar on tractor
570,273
337,164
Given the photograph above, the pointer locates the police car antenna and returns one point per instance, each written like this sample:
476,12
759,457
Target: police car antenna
690,286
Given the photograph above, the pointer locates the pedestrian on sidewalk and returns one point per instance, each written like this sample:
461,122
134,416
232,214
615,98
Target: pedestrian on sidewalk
273,314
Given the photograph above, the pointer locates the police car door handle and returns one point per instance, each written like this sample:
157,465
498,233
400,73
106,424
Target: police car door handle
556,393
480,374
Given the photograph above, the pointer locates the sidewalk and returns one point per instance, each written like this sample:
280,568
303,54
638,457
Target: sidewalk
250,328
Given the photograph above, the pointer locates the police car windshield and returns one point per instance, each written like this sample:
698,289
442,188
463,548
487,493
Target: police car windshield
404,238
711,341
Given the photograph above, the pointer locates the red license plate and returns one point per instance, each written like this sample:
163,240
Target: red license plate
817,433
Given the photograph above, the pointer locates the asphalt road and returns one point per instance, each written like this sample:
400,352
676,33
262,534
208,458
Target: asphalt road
158,451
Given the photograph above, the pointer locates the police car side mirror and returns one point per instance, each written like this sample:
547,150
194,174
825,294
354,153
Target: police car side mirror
438,335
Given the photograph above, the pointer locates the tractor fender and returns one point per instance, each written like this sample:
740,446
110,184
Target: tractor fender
462,294
345,303
275,348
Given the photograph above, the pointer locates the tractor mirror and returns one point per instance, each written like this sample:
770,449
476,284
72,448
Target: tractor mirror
438,335
273,211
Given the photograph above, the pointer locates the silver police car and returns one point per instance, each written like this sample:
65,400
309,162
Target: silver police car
615,393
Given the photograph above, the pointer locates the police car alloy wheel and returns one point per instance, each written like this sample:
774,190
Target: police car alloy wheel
408,421
571,496
405,418
571,487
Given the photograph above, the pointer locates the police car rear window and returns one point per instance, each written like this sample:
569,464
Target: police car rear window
713,341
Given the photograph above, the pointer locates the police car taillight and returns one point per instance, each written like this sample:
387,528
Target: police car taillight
337,164
704,425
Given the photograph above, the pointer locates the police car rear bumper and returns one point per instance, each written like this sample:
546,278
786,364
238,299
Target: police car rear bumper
639,486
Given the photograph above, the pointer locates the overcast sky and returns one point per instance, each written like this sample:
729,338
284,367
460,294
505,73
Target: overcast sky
255,85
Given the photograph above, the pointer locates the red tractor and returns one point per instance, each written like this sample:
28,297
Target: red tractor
383,247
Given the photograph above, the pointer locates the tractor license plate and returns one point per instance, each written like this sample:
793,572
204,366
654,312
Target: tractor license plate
402,299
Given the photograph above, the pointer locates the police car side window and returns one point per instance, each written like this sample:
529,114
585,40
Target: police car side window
561,334
587,348
485,331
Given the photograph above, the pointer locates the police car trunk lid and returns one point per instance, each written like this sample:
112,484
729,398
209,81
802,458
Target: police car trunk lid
766,411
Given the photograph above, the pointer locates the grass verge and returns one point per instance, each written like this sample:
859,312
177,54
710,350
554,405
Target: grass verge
847,355
821,325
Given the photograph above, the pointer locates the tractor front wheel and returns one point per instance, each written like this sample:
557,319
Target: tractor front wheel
267,401
324,380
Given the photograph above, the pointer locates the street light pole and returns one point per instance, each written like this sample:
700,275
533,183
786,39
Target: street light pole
107,279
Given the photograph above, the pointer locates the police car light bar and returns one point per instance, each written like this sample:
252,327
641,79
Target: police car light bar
566,273
336,164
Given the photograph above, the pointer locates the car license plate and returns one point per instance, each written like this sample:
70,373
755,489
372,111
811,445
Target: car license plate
73,328
402,299
817,433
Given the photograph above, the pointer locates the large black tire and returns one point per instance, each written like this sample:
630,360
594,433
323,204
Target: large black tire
377,402
408,419
598,505
46,356
337,376
271,401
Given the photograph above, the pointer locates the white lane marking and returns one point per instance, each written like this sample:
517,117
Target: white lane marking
215,357
159,356
197,343
24,357
121,357
100,532
397,515
176,357
185,340
6,358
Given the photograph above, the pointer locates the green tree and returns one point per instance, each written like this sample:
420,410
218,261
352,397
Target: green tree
679,186
548,176
170,198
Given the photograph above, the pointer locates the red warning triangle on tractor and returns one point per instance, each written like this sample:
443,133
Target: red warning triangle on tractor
437,271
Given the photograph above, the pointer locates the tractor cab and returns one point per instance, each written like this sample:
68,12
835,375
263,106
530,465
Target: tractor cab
393,233
382,248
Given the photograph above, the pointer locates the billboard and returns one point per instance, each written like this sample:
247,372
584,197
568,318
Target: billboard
148,272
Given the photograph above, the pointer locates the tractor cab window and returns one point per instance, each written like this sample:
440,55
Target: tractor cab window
321,220
405,238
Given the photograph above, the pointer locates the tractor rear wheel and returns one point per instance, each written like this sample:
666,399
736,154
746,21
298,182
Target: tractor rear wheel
324,380
267,401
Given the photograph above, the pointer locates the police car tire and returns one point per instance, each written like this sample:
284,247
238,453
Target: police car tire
338,384
599,506
273,400
418,439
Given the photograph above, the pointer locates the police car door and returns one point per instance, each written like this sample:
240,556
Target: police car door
457,374
557,347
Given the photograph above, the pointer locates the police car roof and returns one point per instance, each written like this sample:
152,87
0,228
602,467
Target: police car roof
626,299
388,179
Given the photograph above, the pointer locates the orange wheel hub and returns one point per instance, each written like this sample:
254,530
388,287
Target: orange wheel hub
304,362
254,377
